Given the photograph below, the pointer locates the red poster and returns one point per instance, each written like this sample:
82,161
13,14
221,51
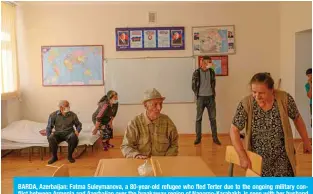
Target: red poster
219,64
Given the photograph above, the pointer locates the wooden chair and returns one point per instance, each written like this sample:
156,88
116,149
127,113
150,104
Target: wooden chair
302,158
62,171
250,173
233,158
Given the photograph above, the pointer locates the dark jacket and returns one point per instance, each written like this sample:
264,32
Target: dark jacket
63,124
104,113
196,81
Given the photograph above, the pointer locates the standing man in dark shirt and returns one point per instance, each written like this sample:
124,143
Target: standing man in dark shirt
63,121
203,86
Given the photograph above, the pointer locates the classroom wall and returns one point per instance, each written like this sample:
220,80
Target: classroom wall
257,27
10,111
303,62
294,17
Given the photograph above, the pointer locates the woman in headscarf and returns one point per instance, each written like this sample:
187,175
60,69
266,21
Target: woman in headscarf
265,115
103,118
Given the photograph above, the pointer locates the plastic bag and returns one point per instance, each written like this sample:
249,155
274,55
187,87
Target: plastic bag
145,169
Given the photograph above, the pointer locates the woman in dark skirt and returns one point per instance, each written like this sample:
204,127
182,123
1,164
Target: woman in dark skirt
103,118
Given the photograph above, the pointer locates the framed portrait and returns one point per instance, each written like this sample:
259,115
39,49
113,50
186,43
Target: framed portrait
123,38
177,37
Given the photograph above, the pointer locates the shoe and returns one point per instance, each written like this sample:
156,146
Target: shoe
216,141
105,148
52,160
110,145
104,144
71,160
197,141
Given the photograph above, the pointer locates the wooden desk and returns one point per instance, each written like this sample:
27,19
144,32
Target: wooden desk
170,166
118,167
183,166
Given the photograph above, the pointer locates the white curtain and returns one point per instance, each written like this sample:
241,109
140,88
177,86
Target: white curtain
8,69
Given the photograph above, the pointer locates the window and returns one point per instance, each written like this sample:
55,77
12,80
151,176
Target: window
8,68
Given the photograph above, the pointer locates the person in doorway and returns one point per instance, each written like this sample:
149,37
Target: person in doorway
308,88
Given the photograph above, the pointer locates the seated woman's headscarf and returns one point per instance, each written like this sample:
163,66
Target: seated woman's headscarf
105,100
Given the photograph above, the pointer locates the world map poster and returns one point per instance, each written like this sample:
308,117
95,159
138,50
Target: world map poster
72,65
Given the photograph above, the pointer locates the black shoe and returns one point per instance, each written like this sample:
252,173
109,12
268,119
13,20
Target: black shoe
71,160
216,141
52,160
197,141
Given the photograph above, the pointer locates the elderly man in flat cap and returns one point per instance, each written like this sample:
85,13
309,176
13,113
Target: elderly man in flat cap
151,133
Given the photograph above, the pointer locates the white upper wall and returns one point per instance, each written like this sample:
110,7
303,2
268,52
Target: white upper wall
303,62
10,111
294,17
257,26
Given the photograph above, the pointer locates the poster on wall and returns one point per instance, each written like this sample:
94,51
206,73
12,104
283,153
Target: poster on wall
214,40
158,38
72,65
136,39
219,64
164,38
150,39
123,38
